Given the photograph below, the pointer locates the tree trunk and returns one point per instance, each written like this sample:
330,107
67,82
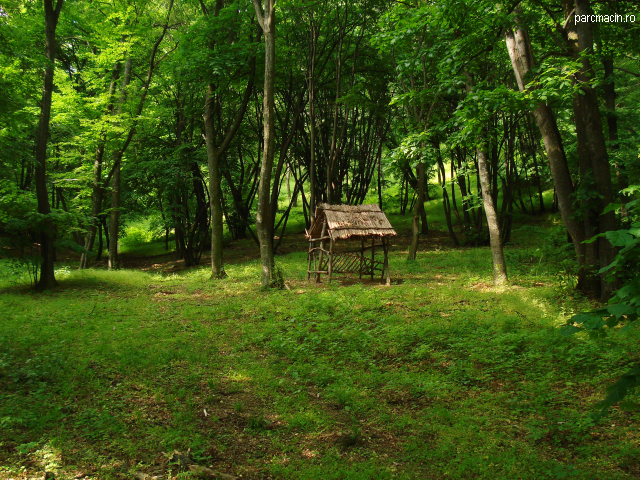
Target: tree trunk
312,129
413,249
47,235
380,178
114,220
497,254
424,224
214,154
446,205
612,120
593,154
96,204
215,192
264,224
98,191
100,245
519,47
118,154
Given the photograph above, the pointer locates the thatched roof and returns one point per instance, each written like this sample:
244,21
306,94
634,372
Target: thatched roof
345,221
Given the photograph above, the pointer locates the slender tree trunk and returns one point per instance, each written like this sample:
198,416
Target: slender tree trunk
538,177
284,148
413,249
114,220
484,178
264,224
462,184
446,205
333,150
100,245
96,204
105,228
612,119
98,191
519,47
454,202
214,154
312,127
47,235
424,224
118,154
497,254
215,192
380,178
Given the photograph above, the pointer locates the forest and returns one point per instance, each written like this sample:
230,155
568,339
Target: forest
175,174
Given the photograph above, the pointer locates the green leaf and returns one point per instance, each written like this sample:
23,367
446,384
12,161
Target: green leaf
595,322
581,318
594,238
620,238
620,309
612,322
568,330
612,207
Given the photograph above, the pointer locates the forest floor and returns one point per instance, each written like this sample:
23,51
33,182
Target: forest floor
157,371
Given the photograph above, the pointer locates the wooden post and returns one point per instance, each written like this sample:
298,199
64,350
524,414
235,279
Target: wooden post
373,255
330,268
309,257
361,256
324,230
386,278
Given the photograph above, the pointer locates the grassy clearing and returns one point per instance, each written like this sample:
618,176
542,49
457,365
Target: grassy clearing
438,376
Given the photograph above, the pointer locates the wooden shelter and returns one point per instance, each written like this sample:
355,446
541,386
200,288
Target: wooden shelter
366,223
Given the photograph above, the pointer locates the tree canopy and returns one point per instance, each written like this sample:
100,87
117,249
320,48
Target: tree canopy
157,110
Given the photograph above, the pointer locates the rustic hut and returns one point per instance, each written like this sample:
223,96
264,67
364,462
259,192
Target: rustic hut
364,223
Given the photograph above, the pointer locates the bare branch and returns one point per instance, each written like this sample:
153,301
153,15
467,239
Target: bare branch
258,8
627,71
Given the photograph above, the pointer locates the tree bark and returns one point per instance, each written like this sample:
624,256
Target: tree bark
446,204
593,157
47,235
114,216
519,47
497,254
118,154
215,192
484,178
97,194
312,126
612,120
264,224
214,153
415,234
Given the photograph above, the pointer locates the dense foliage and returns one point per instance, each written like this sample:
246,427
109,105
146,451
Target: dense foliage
367,95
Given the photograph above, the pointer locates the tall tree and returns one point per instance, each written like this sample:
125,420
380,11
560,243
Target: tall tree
521,55
595,171
217,142
267,20
47,235
119,152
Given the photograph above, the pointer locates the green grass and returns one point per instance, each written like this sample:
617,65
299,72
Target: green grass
438,376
